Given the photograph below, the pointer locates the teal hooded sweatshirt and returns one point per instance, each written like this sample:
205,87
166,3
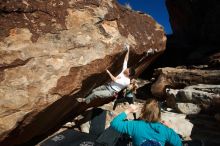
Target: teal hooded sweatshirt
141,131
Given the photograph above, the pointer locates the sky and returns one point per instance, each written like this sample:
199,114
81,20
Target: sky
155,8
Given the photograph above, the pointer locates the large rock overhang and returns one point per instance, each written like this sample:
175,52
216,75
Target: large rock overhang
54,52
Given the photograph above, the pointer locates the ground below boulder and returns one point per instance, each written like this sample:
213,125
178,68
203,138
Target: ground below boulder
197,127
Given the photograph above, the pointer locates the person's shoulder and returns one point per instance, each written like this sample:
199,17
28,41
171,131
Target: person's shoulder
162,126
159,127
138,122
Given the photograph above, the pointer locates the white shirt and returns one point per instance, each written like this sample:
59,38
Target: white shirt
121,81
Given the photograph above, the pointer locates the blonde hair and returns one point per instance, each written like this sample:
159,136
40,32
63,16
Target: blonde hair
151,111
133,85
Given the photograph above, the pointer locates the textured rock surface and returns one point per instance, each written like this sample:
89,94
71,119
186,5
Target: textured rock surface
178,78
196,31
52,52
205,96
214,60
179,123
188,108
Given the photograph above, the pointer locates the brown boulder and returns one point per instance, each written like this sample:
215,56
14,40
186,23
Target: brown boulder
204,96
53,52
188,108
178,78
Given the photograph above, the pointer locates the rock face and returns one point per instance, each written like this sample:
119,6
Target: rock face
196,33
178,123
180,77
203,95
195,20
197,86
188,108
53,52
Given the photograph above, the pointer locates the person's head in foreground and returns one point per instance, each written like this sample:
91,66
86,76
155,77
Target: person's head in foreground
151,111
148,130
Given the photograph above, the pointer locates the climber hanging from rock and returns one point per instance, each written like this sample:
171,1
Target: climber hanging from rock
117,84
127,94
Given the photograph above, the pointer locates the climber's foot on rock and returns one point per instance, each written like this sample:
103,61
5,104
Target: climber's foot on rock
80,100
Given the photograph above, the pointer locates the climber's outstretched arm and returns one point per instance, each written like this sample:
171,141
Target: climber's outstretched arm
126,58
111,76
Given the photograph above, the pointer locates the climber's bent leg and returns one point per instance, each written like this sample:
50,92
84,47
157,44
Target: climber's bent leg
99,94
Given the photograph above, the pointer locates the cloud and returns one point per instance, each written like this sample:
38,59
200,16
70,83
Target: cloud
128,6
